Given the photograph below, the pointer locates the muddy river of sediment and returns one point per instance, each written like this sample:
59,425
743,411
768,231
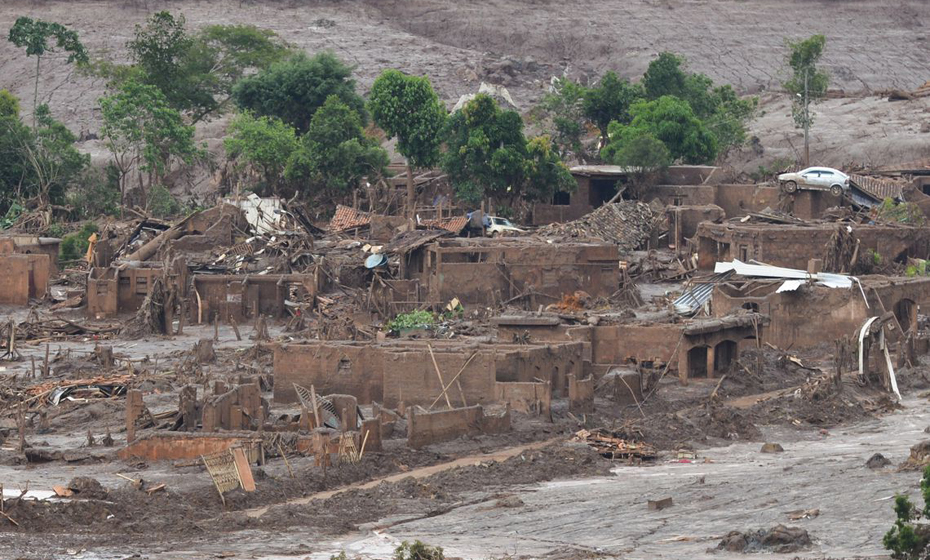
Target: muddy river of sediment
728,488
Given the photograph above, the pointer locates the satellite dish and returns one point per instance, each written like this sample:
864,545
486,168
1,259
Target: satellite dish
376,260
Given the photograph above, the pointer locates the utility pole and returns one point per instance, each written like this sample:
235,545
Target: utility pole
807,123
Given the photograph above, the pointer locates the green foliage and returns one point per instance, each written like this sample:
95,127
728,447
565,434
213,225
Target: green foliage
293,89
54,160
722,111
96,193
413,320
9,104
161,204
195,72
13,213
544,171
406,107
665,76
874,257
334,154
906,539
34,36
488,155
565,105
643,152
142,130
74,246
669,120
417,551
265,143
610,100
40,162
900,212
768,172
807,83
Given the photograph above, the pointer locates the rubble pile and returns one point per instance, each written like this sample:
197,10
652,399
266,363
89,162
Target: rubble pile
627,223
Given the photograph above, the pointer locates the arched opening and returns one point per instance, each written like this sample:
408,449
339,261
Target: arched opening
725,354
697,361
906,313
751,306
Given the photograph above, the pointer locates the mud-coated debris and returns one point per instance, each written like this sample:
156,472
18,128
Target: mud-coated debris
919,457
877,461
779,539
772,448
87,488
511,501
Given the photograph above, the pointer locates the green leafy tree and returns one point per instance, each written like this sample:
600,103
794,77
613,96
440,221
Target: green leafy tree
906,539
145,134
610,100
196,72
671,121
565,104
545,174
55,162
665,76
724,113
644,154
265,143
15,171
334,155
293,89
488,155
406,107
485,152
807,84
35,35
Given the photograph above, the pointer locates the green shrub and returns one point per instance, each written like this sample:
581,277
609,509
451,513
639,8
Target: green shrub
161,204
74,246
98,194
412,320
906,539
417,551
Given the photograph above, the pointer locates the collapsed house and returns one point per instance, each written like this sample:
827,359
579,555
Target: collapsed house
795,245
485,271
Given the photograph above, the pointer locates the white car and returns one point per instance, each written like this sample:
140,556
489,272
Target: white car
815,178
501,226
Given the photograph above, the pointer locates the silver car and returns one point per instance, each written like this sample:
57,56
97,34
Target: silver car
815,178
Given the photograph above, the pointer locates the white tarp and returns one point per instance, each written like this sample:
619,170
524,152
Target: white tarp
263,214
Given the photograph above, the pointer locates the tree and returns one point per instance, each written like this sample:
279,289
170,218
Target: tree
665,76
644,154
196,72
265,143
488,155
908,540
807,84
565,104
34,35
293,89
406,107
334,155
14,169
671,121
55,162
544,171
610,100
144,133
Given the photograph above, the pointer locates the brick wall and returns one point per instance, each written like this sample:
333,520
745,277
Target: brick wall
427,428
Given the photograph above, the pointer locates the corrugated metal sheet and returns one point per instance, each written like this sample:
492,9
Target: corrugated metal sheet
827,279
695,297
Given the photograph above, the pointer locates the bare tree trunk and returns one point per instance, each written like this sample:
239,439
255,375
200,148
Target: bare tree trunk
35,94
411,193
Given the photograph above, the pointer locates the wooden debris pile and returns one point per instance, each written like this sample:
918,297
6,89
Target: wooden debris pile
612,446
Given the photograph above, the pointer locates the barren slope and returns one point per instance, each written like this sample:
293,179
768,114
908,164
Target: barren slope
872,45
